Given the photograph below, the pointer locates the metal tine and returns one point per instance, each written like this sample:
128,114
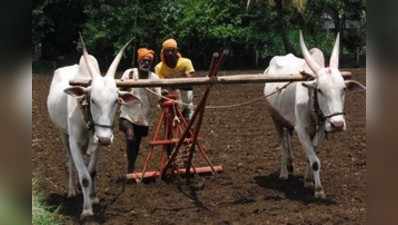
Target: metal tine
220,61
213,63
216,62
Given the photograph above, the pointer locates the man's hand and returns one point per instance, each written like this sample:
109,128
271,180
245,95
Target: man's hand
164,92
190,74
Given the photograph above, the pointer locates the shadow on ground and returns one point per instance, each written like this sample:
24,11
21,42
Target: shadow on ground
72,207
292,189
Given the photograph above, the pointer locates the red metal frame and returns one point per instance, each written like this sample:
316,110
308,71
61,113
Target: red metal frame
174,131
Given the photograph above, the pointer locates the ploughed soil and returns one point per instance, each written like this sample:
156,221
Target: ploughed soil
244,141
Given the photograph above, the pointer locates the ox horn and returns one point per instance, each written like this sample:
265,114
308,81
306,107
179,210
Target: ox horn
307,56
334,58
85,56
112,69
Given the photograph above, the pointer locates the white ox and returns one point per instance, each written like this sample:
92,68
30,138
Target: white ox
311,108
82,130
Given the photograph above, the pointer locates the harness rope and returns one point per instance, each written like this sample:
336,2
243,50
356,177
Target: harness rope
84,105
318,111
317,114
223,106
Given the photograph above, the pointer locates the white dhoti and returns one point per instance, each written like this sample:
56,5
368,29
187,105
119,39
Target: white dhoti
187,98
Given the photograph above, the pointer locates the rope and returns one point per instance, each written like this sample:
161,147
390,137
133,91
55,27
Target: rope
224,106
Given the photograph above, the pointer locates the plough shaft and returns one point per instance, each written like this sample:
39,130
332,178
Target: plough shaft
232,79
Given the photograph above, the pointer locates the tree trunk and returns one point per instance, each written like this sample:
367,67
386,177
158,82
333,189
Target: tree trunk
256,55
283,29
338,24
133,58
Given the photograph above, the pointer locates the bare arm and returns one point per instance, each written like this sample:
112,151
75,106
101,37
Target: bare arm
126,75
158,90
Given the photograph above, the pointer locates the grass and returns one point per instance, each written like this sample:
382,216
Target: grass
42,214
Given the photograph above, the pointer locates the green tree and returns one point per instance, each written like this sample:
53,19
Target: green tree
254,34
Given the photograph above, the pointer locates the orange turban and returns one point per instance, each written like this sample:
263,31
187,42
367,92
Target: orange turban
167,44
144,53
170,43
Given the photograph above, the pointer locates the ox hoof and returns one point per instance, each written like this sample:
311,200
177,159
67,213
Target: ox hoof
86,214
96,200
72,193
308,184
320,194
284,175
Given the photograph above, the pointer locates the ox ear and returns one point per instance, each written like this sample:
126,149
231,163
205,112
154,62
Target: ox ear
126,98
309,84
353,85
76,91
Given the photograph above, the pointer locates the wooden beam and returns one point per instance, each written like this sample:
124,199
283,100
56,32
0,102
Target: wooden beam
231,79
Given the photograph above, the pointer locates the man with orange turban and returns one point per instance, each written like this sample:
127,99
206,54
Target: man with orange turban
173,65
135,117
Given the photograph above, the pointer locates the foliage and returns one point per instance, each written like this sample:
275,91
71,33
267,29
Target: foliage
296,4
41,23
264,29
41,214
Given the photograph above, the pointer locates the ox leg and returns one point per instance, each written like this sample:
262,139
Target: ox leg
289,134
308,176
92,169
284,173
84,178
314,161
319,137
72,192
284,139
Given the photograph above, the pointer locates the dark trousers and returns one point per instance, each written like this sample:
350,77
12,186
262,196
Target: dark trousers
133,134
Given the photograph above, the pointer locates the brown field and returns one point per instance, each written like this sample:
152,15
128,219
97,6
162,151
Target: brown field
248,192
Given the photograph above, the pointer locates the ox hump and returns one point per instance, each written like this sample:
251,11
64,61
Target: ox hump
287,64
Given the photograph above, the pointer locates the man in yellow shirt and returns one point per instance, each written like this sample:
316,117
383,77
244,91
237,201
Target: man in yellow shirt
173,65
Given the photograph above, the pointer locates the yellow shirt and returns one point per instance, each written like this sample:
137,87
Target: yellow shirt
184,66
